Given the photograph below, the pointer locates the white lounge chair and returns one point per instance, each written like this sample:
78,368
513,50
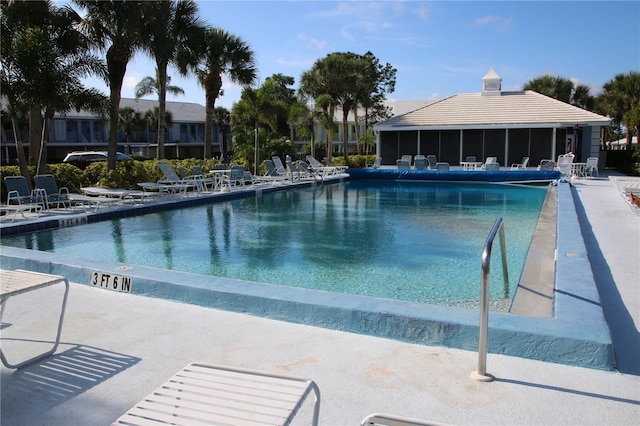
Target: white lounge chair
234,178
377,163
564,164
213,394
178,184
403,164
442,165
521,165
432,160
490,160
592,166
317,166
420,162
547,165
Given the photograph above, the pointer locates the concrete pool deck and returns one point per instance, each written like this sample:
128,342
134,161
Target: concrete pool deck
117,347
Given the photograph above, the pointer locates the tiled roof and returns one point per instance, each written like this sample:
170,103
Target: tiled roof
182,112
510,109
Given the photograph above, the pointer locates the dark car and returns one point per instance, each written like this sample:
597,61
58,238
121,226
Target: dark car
93,156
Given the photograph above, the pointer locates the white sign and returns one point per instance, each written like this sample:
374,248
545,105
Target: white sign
110,281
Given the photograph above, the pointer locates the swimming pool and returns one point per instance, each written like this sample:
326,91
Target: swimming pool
411,241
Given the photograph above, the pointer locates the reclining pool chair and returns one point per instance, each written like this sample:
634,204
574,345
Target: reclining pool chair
432,160
18,192
521,165
178,184
53,195
592,166
214,394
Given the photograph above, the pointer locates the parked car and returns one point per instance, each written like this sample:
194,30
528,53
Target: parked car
93,156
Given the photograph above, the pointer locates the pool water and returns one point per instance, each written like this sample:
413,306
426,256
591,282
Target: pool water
414,241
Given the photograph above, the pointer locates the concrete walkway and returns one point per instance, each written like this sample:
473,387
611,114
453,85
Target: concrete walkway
119,347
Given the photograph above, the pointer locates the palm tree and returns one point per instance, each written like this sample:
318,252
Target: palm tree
47,59
149,86
620,100
130,120
221,118
152,118
221,54
114,26
561,89
168,25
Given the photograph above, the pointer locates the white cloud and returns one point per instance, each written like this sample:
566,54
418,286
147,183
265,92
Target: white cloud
313,42
496,22
423,13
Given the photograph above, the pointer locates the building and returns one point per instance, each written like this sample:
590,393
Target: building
493,123
83,131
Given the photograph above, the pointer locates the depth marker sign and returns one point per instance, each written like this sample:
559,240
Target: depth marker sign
110,281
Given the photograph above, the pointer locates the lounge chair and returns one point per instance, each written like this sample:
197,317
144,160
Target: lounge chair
403,164
490,160
420,163
321,168
18,193
234,178
178,184
213,394
432,160
377,163
492,167
521,165
208,183
272,170
547,165
564,164
470,159
304,172
442,165
592,166
393,420
53,194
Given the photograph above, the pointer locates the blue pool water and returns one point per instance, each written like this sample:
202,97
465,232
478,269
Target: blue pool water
411,241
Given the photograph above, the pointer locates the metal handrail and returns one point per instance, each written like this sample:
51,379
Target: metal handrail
481,373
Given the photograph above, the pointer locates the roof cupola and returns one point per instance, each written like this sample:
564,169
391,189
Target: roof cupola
491,84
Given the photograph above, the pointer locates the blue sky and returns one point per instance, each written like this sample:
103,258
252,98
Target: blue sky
439,48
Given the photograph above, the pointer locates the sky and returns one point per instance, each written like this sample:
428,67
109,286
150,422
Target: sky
439,48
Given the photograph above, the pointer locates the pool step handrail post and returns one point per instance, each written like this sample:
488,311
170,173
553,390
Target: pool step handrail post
481,373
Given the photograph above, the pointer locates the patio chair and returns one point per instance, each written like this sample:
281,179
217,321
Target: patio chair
432,160
178,184
470,159
408,158
393,420
403,164
442,165
214,394
377,163
208,183
18,193
547,165
564,164
420,163
521,165
234,178
592,166
279,165
490,160
272,169
317,166
53,194
492,167
304,172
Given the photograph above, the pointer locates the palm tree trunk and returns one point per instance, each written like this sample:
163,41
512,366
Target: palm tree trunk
22,159
35,128
345,134
162,98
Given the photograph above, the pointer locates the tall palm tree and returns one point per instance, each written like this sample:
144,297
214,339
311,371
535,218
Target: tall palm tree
150,85
50,59
620,100
168,25
114,26
221,118
562,89
220,54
